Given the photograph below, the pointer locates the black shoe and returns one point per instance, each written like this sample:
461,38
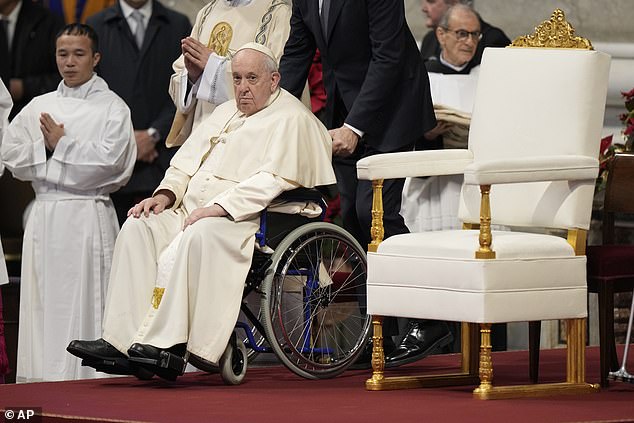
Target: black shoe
364,361
167,364
422,339
103,357
94,350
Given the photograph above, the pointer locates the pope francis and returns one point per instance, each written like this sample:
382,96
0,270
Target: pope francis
246,153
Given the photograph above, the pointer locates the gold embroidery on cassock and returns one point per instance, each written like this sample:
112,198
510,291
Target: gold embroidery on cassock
157,295
220,38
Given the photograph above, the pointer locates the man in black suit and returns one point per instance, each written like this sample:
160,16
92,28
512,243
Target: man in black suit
137,65
377,89
434,11
27,51
378,97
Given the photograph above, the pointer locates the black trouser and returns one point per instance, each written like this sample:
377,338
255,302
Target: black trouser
356,206
356,197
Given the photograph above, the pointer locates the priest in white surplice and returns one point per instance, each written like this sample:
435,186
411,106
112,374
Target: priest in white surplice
202,75
76,146
234,164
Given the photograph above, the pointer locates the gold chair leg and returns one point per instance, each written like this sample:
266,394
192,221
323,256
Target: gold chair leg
575,372
378,355
486,363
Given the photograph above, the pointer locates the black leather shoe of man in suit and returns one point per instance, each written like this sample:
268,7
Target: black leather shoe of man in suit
166,363
424,337
103,357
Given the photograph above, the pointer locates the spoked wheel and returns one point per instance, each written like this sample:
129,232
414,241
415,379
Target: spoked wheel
315,292
233,363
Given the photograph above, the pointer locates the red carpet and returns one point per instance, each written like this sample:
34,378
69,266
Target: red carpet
273,394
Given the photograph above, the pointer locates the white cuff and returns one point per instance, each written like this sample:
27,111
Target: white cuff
355,130
185,101
212,83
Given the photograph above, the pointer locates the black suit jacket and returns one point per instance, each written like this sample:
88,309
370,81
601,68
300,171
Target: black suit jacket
491,37
371,68
141,77
32,56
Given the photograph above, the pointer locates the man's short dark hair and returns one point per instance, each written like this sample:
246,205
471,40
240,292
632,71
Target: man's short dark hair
81,29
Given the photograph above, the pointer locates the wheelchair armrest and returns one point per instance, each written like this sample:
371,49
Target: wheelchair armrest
300,194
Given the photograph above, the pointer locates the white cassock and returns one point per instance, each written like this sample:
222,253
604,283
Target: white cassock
431,204
71,230
224,26
241,163
5,108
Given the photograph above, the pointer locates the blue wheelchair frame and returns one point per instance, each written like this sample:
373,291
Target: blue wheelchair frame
312,283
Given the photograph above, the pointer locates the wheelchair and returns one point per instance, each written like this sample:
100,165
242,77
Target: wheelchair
304,298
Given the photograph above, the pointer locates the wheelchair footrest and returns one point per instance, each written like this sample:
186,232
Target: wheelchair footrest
168,366
113,367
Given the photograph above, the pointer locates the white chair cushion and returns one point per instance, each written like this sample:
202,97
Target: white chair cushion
434,275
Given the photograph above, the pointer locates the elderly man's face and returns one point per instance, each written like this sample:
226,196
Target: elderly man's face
460,40
75,59
433,10
253,83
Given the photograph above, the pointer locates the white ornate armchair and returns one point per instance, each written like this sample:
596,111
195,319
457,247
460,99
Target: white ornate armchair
531,163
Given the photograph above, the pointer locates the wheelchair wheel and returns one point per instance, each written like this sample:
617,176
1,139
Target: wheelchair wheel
233,363
315,294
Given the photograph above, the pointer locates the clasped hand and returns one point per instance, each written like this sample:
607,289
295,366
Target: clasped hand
51,130
196,55
145,147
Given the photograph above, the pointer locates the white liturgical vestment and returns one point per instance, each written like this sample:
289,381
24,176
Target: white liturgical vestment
71,230
224,27
431,204
241,163
5,108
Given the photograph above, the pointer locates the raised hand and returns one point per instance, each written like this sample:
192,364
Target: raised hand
51,130
196,55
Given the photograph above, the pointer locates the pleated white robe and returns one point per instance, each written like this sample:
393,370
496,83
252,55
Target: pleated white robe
71,230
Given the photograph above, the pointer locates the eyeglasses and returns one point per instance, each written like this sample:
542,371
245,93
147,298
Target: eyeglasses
462,35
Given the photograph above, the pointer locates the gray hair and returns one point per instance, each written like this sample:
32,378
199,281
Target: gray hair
444,21
270,64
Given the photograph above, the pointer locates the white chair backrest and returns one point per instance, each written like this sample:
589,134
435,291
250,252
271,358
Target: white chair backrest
537,102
